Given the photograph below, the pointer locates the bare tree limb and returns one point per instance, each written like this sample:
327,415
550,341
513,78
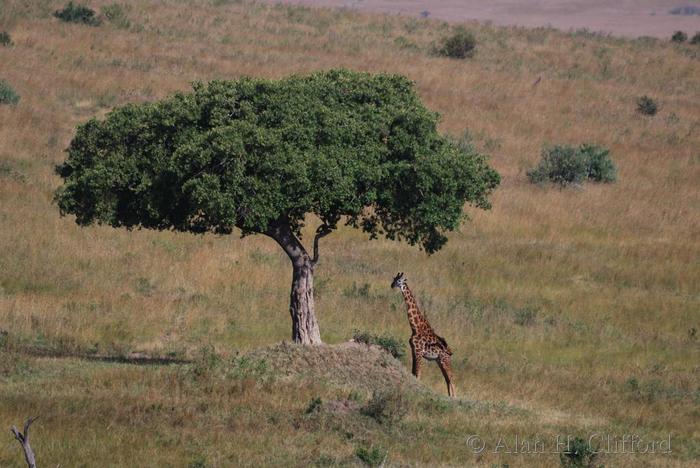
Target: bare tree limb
322,231
23,438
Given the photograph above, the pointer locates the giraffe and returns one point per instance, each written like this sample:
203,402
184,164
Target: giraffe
425,343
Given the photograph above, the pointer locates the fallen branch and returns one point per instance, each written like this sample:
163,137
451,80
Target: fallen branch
23,439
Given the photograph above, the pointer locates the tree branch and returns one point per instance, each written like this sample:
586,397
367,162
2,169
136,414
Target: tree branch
24,440
322,231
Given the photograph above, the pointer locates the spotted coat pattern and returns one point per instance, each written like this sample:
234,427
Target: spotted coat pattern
425,343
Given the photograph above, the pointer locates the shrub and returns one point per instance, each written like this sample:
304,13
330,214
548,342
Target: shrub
525,317
72,13
563,164
374,456
386,406
685,10
5,39
646,105
696,39
314,405
205,363
600,166
559,164
679,36
7,94
459,45
116,15
387,342
579,454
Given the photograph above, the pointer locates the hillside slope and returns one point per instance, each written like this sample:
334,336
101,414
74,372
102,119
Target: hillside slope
576,306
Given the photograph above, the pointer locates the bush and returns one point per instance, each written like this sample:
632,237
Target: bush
647,106
563,164
685,10
116,15
600,166
371,457
386,407
7,94
72,13
5,39
579,454
696,39
525,317
459,45
314,405
386,342
679,36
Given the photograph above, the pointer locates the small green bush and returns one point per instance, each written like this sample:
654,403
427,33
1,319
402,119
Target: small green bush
116,15
563,164
386,406
72,13
525,317
696,39
679,36
5,39
579,454
600,166
647,106
374,456
7,94
314,405
460,45
387,342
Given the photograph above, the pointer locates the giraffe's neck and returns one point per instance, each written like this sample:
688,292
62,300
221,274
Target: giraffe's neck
415,317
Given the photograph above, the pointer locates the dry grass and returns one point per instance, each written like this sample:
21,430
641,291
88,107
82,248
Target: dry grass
610,273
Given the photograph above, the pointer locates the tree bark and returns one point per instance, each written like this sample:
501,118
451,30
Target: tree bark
301,301
23,438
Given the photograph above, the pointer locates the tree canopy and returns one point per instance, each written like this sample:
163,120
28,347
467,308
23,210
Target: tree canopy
252,153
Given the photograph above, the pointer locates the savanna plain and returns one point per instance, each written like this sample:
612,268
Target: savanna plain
571,311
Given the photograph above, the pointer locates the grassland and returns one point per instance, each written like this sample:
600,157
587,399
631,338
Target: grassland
570,311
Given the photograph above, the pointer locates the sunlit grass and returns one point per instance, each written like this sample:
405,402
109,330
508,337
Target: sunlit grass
608,273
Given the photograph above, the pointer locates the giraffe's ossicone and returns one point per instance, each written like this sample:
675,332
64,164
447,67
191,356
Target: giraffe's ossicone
425,343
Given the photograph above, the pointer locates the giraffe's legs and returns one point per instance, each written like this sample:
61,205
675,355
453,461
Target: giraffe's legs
417,362
446,368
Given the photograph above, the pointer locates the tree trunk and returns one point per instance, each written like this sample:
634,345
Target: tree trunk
301,301
23,438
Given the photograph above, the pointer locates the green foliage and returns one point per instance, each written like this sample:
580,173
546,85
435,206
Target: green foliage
459,45
386,406
116,14
357,291
314,405
7,94
198,462
525,317
579,454
390,344
82,14
646,105
254,153
679,36
600,167
5,39
696,39
204,364
374,456
563,164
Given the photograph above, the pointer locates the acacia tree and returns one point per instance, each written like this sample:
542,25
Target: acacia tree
260,155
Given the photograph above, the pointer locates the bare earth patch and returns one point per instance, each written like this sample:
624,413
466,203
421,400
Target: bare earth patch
629,18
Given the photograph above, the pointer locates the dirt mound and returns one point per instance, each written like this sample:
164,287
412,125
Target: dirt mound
354,365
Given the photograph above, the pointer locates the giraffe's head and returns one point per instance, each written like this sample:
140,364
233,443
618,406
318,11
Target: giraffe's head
399,281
